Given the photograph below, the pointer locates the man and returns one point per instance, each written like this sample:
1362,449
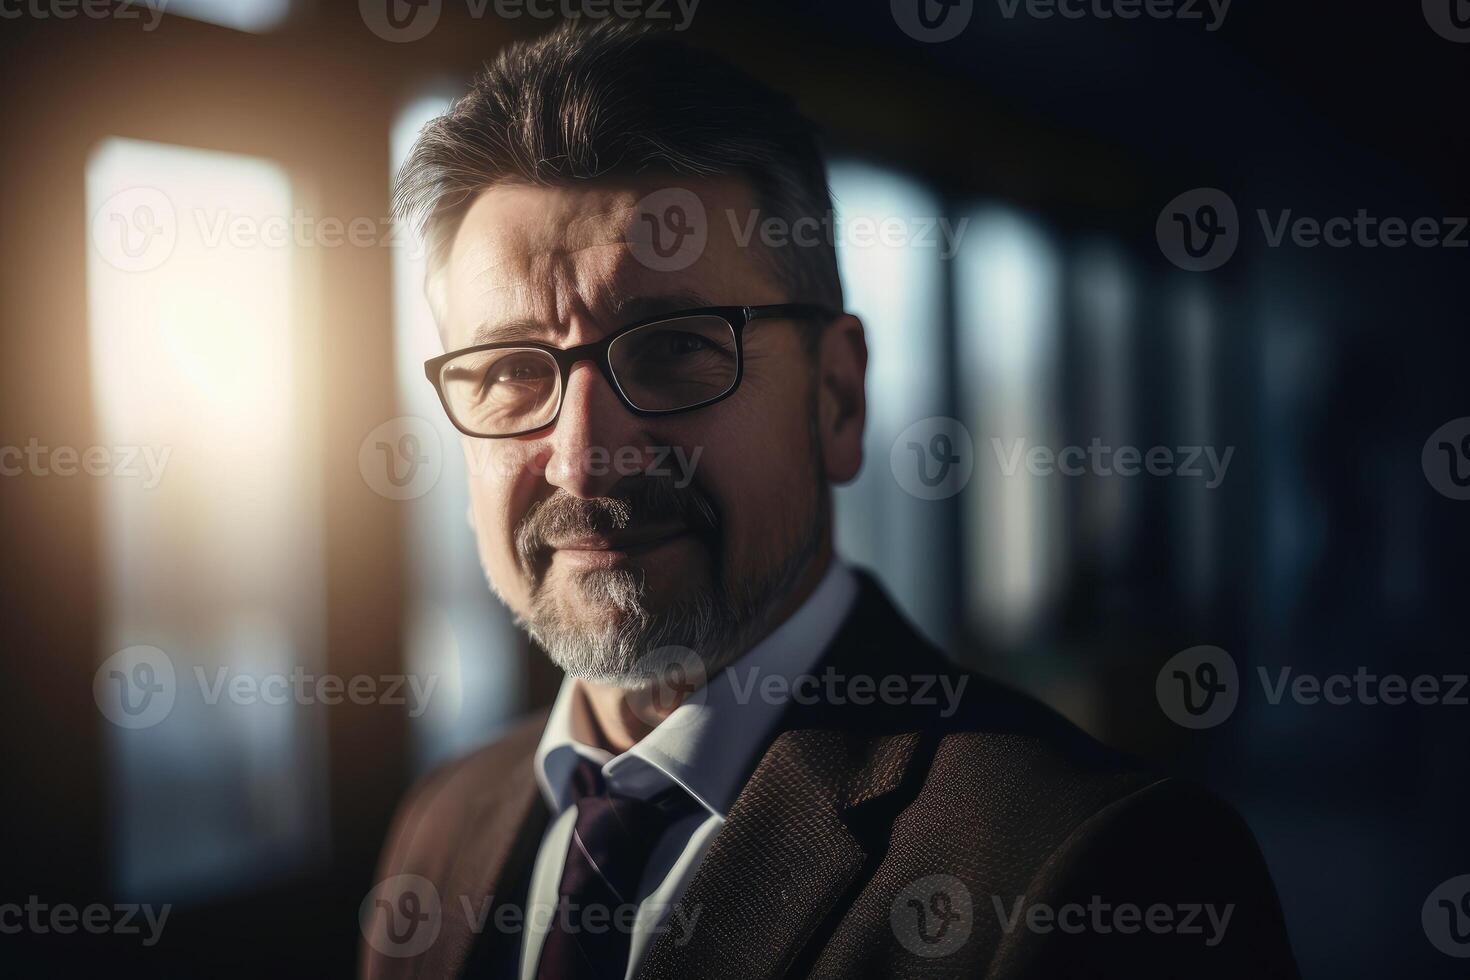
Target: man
755,766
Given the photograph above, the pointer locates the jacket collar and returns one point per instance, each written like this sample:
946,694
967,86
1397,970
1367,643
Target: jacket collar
795,840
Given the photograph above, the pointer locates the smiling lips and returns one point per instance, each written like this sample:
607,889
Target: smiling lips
615,545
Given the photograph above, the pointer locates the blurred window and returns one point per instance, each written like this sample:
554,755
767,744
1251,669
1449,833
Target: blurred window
1007,283
254,16
1105,307
1194,318
210,517
894,281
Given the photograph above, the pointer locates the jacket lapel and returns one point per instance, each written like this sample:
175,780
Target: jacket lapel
491,869
785,856
794,842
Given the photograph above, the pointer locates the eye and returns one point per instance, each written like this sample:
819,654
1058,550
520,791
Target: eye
519,372
516,370
680,343
688,343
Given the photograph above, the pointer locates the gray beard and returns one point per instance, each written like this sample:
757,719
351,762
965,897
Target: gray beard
716,625
706,632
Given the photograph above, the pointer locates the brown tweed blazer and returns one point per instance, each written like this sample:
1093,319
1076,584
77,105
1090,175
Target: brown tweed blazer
1056,856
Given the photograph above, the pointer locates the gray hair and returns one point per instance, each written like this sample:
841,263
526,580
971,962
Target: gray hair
584,103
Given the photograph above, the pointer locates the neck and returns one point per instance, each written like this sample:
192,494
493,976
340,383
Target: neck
614,724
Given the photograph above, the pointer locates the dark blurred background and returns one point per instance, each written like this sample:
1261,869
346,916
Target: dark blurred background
146,308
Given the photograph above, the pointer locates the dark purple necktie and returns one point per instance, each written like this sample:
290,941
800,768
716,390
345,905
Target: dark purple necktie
611,843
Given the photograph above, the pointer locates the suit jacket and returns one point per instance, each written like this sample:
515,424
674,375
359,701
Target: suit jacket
883,841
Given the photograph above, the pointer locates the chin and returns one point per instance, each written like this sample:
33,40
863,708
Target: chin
614,595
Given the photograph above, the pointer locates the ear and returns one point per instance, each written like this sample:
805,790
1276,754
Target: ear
842,405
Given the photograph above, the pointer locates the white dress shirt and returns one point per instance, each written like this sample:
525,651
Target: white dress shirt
707,745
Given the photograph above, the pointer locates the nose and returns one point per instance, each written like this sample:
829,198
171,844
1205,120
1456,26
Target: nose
596,441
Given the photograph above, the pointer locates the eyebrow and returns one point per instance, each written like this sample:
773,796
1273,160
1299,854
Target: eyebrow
622,311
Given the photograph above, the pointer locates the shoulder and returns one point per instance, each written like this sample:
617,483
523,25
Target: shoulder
1023,807
997,768
451,802
983,736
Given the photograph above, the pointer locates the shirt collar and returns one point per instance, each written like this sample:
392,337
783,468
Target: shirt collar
707,743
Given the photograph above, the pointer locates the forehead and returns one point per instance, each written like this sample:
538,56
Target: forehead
567,263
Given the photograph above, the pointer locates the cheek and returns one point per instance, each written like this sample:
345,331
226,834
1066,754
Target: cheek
757,463
498,498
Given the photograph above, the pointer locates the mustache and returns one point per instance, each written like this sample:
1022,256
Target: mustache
634,500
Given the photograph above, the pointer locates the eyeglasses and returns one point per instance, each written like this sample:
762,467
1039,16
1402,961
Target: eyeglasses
671,363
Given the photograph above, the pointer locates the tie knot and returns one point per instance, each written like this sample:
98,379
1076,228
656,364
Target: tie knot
591,793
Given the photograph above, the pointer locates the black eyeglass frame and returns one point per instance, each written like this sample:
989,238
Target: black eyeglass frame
597,352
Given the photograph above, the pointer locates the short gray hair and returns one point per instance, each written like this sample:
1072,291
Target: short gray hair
583,103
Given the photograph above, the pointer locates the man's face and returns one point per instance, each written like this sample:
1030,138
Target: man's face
609,534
